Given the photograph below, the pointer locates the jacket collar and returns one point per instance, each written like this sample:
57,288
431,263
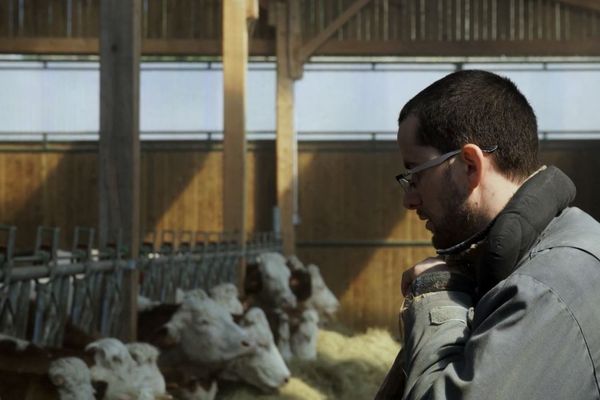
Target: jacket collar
515,230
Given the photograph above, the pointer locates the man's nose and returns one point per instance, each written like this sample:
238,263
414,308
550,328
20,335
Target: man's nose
411,200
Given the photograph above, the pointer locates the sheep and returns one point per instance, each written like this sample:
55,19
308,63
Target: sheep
264,368
196,339
114,365
281,322
304,339
349,367
72,378
147,373
275,276
205,331
322,299
226,294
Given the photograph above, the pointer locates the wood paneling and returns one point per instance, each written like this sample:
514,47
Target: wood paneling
395,27
347,192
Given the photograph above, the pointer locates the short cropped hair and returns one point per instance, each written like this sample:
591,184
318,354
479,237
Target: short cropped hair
479,107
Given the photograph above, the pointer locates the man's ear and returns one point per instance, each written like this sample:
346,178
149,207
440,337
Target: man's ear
474,160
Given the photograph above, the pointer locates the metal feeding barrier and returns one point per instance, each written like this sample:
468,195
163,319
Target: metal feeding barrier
40,291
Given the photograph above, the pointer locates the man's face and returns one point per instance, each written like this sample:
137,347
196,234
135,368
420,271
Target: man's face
440,194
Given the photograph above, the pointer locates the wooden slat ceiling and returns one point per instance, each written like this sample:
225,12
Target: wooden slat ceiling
380,28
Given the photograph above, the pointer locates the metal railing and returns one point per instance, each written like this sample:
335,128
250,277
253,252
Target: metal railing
40,291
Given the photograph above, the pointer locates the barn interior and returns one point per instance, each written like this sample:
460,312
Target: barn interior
148,146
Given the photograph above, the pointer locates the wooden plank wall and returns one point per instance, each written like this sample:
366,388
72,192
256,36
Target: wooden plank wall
402,27
347,192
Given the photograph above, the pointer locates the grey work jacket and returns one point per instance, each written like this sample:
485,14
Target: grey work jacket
535,335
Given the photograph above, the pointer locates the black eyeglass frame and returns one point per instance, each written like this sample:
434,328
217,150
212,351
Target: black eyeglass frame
404,179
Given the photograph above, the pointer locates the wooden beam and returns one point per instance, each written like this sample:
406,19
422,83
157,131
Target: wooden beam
286,143
294,37
235,60
589,5
508,48
119,147
210,47
309,48
534,48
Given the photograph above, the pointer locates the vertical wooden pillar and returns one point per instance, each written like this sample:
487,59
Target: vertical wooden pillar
237,18
286,147
119,153
235,61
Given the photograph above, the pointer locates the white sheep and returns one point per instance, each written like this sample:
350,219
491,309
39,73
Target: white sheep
282,320
147,374
321,299
114,365
264,368
226,294
275,276
304,338
205,332
72,378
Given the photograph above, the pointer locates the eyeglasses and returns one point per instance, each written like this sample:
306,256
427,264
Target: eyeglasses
405,179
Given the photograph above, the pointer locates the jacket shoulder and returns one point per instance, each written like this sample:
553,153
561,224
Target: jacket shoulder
571,228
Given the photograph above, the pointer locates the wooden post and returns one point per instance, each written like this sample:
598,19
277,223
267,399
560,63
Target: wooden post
236,17
286,138
119,152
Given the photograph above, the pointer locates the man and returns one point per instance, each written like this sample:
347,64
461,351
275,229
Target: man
510,308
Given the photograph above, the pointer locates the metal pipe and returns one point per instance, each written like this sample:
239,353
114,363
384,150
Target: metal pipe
43,271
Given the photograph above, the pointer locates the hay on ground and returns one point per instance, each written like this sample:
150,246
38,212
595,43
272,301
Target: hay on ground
347,367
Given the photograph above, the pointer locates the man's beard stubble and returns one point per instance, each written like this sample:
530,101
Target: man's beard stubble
460,220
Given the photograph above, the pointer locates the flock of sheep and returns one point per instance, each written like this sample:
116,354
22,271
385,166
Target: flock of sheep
190,349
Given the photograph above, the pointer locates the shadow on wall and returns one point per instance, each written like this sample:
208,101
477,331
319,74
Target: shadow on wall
181,189
48,188
348,193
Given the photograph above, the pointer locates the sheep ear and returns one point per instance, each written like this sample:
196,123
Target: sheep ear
99,389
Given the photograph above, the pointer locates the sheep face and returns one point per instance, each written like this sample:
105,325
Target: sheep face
206,332
111,354
147,374
275,277
226,294
265,368
322,299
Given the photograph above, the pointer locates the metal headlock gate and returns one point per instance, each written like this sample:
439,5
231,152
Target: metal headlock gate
40,291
